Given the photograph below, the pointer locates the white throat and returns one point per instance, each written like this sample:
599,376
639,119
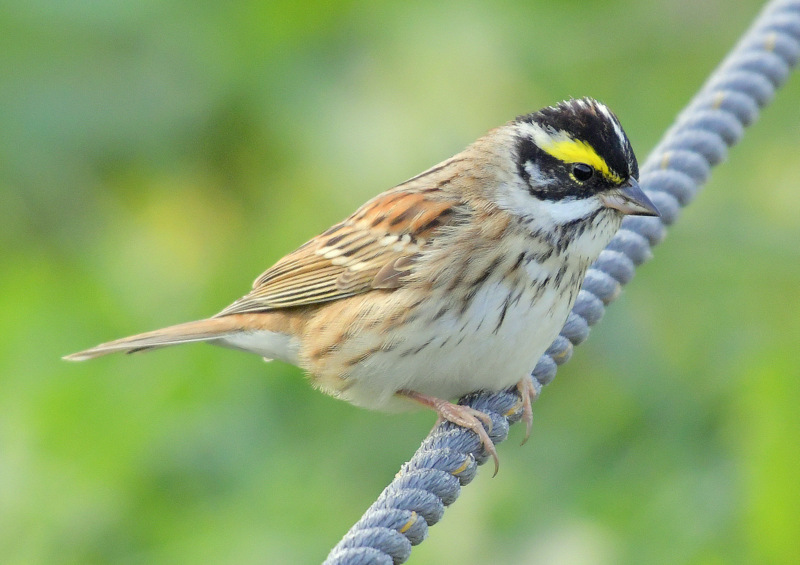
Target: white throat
560,220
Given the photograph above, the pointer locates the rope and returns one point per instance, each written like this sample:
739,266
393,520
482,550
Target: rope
672,175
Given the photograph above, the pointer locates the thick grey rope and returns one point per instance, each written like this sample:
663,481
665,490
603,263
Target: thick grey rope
673,174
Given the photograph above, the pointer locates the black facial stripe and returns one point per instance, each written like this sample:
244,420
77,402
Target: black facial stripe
564,187
527,151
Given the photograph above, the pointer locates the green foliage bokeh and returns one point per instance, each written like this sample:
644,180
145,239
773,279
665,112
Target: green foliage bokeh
156,156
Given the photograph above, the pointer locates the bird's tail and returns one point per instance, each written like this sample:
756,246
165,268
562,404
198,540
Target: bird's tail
201,330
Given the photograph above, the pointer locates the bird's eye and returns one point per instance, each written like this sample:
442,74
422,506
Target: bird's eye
582,172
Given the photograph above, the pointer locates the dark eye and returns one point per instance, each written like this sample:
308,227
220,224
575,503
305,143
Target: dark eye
582,172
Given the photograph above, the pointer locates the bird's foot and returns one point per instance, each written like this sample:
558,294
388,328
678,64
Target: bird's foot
464,416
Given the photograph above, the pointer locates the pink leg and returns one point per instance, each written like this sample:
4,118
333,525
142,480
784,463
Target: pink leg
463,416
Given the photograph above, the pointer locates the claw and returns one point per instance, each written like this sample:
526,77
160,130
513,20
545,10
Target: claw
463,416
528,394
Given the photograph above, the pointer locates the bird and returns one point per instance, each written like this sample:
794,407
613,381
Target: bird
454,281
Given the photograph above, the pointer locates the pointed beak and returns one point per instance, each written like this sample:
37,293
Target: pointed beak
630,200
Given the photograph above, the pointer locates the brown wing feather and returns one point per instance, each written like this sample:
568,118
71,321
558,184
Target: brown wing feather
371,249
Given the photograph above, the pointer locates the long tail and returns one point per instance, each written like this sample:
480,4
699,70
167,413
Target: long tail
201,330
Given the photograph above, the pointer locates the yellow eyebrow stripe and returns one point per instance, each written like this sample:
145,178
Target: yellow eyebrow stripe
576,151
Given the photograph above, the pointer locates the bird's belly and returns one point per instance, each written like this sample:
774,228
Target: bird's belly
491,346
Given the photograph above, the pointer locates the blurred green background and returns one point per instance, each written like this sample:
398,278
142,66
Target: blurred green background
156,156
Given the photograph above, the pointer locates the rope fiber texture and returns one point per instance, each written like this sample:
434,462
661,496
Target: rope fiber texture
672,175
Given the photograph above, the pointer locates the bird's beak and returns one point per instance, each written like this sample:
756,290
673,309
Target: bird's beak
630,200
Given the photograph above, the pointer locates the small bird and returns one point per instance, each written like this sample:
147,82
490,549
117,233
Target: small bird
454,281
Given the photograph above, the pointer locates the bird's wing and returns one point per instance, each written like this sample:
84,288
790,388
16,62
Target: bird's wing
372,249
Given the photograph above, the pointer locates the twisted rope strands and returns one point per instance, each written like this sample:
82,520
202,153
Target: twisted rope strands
672,175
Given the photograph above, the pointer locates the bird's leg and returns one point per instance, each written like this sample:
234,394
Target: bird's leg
528,394
463,416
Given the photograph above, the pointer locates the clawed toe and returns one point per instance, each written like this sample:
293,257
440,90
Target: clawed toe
464,416
472,419
528,393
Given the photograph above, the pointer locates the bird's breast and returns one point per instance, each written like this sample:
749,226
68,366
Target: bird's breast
482,328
